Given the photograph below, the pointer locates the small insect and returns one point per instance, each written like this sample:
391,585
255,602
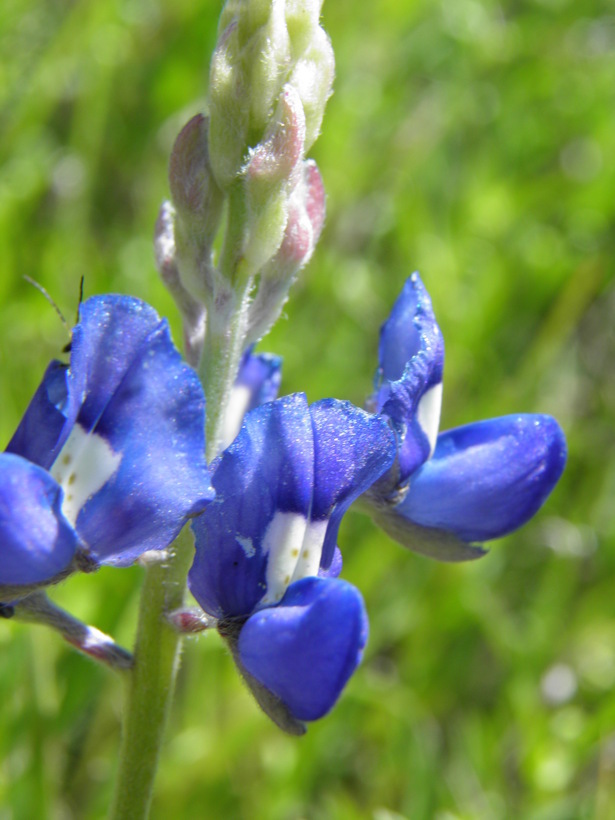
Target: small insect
41,289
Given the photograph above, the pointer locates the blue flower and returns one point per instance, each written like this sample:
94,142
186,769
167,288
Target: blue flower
471,484
266,560
108,461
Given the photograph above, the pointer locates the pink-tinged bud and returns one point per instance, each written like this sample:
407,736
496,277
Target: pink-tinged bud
306,216
315,200
196,196
193,313
190,620
274,159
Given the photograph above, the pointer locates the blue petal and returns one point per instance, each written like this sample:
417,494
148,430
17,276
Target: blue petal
334,570
487,479
352,449
36,541
257,382
410,319
49,417
306,649
411,360
111,333
267,470
261,374
152,421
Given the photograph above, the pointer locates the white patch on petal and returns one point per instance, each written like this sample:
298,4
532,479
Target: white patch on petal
428,414
241,396
84,465
308,563
282,542
246,545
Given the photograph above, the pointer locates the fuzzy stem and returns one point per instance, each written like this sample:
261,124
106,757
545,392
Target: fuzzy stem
157,645
36,608
151,682
227,326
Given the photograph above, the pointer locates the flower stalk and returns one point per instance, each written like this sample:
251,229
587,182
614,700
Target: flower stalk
151,681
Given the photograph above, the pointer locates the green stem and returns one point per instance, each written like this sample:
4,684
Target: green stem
151,682
157,645
227,326
224,345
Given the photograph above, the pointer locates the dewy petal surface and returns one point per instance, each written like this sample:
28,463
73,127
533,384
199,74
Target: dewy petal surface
109,336
148,436
487,479
306,649
47,421
36,541
352,449
263,484
409,377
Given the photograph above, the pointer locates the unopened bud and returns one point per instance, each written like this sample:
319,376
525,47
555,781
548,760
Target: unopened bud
302,18
267,57
190,620
193,313
228,109
197,198
312,76
275,158
306,214
268,177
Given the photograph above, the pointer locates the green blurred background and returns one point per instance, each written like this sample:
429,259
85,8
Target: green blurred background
473,141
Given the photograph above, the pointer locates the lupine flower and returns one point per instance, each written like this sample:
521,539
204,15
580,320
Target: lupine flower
266,562
108,461
471,484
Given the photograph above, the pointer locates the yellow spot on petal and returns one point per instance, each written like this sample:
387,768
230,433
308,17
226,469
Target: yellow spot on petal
306,553
295,553
287,579
72,478
66,459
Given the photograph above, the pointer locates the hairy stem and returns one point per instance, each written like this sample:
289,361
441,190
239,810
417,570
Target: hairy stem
157,645
151,682
227,327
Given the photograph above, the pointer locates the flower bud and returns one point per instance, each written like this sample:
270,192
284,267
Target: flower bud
190,620
275,158
192,312
267,177
312,76
263,45
229,112
306,214
197,198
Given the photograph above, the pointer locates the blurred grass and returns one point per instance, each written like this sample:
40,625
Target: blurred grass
473,141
